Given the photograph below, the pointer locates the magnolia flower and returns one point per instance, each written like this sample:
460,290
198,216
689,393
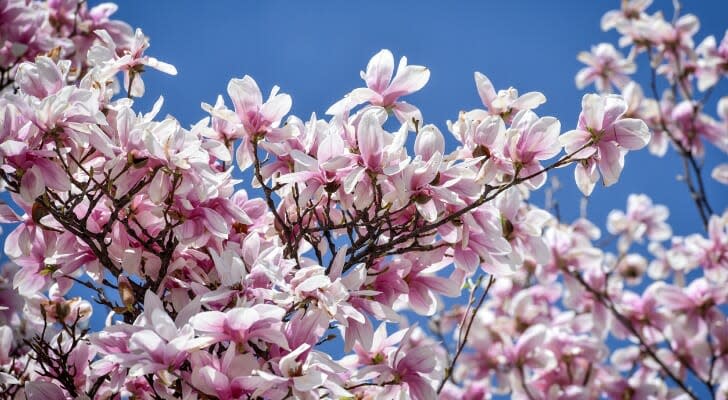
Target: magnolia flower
522,227
505,103
304,373
43,77
605,67
256,116
643,313
325,173
690,126
642,219
712,252
228,377
528,350
159,343
381,348
696,302
37,169
260,323
423,284
411,370
253,119
713,62
132,62
601,139
631,10
384,91
531,140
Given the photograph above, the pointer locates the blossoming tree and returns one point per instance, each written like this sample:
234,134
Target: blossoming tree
364,220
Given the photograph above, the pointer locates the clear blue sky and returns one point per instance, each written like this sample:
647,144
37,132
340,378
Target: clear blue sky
315,50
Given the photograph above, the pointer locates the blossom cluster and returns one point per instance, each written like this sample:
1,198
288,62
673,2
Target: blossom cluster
365,219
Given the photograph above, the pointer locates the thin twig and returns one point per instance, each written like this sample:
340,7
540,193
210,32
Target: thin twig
461,344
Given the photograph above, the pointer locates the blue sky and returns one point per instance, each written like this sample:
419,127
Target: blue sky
315,50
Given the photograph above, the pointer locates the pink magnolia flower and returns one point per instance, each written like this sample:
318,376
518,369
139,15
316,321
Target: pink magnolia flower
87,21
713,62
602,138
323,174
692,125
678,36
638,387
571,250
423,284
505,103
482,238
51,104
36,169
255,118
605,67
202,222
687,348
652,111
484,139
260,323
383,90
132,61
56,308
228,377
531,140
379,152
26,34
679,257
43,77
159,343
534,305
410,370
642,219
6,343
697,302
305,373
416,183
578,298
387,279
644,314
522,227
305,137
428,181
378,352
43,255
577,353
631,10
528,354
636,102
712,252
329,294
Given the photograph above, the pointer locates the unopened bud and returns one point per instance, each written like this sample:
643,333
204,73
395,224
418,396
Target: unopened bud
37,212
126,292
